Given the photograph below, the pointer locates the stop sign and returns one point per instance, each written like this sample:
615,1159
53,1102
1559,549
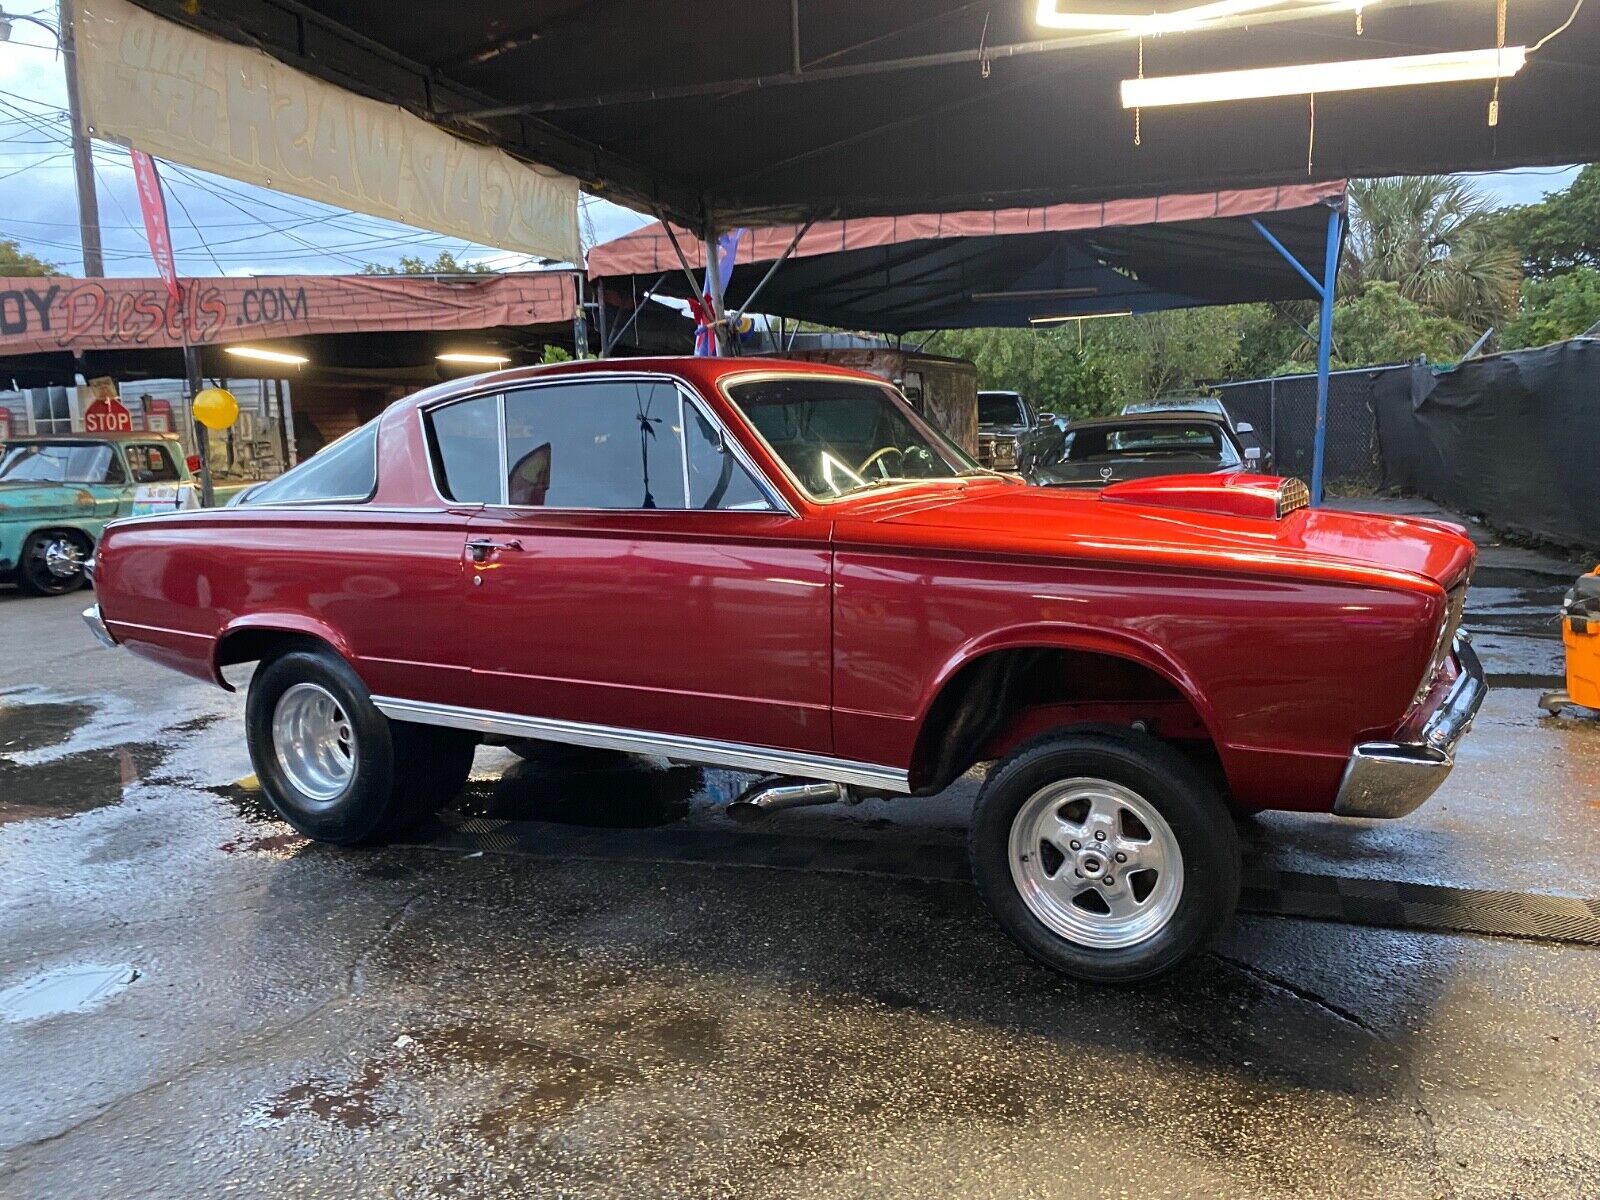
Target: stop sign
107,415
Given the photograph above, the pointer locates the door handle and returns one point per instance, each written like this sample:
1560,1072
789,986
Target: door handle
480,548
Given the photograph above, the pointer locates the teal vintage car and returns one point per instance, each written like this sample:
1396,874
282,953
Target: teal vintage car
58,492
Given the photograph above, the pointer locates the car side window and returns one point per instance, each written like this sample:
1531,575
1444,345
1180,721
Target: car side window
716,478
151,463
465,439
346,470
595,444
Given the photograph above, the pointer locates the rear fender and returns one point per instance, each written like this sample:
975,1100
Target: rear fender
253,629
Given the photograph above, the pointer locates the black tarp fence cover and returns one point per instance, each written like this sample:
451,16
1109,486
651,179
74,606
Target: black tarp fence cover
1513,438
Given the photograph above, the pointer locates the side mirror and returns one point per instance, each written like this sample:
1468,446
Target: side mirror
1046,417
1244,427
1252,454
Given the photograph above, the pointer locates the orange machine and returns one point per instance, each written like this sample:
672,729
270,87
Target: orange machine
1580,631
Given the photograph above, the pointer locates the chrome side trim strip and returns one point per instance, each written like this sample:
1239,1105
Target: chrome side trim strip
737,755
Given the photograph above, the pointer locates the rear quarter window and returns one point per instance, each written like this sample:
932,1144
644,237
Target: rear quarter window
346,470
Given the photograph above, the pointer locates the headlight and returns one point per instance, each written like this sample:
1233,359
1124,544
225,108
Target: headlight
1005,452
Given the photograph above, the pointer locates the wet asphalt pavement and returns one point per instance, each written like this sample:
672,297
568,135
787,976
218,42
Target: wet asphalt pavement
636,997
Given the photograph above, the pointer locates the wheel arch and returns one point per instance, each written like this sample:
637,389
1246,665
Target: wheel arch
260,635
974,692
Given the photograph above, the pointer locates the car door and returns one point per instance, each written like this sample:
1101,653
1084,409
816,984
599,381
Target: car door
637,574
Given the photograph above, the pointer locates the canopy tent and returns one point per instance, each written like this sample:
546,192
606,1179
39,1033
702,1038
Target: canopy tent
1002,268
1017,266
750,112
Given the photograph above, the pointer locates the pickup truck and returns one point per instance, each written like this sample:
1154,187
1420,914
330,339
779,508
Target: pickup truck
781,568
58,491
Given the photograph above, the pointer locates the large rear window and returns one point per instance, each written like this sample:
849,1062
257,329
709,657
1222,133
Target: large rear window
346,470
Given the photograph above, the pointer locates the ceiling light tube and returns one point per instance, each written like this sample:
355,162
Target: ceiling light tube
475,360
271,356
1126,312
1306,78
1181,20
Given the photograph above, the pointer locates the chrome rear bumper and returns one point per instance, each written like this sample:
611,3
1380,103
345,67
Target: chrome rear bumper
91,618
1391,779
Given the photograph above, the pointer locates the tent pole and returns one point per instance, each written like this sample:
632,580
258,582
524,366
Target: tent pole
1330,273
799,233
719,340
638,307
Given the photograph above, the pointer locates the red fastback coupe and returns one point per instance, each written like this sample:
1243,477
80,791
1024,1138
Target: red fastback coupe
783,568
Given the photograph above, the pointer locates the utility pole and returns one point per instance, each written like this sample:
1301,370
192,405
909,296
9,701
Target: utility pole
94,265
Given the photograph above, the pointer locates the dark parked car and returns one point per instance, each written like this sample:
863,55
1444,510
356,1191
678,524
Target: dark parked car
1256,455
1008,427
1105,450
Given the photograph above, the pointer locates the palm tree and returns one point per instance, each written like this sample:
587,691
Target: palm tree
1431,236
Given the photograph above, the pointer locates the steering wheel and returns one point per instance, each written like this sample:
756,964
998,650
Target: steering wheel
877,456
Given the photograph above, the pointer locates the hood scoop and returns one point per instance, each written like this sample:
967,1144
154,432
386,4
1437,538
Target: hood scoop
1263,497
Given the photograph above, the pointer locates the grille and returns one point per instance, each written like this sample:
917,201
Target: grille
1292,494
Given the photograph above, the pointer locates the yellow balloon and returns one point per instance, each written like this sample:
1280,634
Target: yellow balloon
215,408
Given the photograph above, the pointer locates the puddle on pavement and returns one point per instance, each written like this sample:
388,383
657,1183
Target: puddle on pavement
73,783
25,727
538,1083
61,990
608,791
245,797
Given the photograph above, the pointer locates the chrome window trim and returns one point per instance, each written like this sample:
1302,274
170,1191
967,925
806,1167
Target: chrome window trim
737,755
775,499
756,376
774,495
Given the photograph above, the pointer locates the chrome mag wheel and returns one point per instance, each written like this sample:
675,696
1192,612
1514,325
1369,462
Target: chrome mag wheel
1096,862
62,557
314,743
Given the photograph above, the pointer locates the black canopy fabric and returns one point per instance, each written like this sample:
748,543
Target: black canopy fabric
765,111
895,275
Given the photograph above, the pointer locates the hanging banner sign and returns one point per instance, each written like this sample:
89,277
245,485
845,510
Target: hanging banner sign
190,98
154,207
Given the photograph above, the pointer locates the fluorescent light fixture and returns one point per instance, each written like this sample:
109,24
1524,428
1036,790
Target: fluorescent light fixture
475,360
271,356
1067,293
1307,78
1180,20
1126,312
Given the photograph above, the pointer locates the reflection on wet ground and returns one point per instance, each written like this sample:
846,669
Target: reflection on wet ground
73,783
600,788
25,727
69,989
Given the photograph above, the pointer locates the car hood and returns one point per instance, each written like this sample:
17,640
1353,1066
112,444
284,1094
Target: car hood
1189,521
1095,474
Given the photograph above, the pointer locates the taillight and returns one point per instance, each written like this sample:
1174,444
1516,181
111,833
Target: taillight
1454,609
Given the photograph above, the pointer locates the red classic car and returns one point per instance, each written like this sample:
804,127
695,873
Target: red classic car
782,568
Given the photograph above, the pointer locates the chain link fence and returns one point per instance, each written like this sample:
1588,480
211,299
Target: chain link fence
1284,413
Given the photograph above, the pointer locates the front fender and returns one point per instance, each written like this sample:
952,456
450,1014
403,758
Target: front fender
1056,635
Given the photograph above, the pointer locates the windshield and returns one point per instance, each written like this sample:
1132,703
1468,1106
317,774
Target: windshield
1207,404
58,462
1190,441
1000,408
839,436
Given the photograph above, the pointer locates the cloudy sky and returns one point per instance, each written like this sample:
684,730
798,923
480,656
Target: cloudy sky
220,226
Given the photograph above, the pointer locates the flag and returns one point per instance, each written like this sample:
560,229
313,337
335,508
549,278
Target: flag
154,207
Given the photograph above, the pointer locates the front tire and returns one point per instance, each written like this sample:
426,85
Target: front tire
332,765
51,563
1105,854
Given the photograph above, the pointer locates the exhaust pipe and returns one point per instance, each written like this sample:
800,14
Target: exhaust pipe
766,798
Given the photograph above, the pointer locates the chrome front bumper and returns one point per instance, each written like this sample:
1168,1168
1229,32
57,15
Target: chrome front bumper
91,618
1391,779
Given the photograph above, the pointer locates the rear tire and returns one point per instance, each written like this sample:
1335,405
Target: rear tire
51,562
1105,854
332,765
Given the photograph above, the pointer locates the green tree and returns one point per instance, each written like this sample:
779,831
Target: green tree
1381,326
445,264
1552,309
16,262
1561,232
1049,366
1433,238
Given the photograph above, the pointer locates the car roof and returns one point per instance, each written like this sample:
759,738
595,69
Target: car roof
1162,417
705,373
1178,404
